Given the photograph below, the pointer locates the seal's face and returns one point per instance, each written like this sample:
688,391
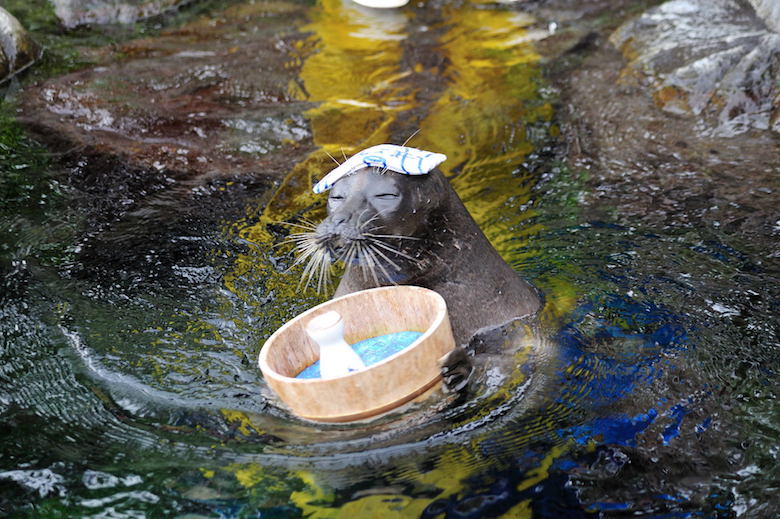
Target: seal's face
373,221
371,202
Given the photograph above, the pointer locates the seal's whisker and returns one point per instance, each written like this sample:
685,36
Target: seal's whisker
364,224
348,257
361,225
304,250
301,237
297,239
319,265
307,238
308,260
305,275
309,226
383,256
351,253
368,262
355,259
305,254
305,242
308,222
332,158
325,271
368,259
411,136
283,242
387,247
387,274
359,256
370,251
300,260
324,277
397,236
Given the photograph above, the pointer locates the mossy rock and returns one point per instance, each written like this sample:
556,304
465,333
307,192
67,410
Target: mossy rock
17,50
714,60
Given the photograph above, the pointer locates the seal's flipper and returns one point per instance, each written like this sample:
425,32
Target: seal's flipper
456,370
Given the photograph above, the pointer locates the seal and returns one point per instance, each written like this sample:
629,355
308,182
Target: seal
391,228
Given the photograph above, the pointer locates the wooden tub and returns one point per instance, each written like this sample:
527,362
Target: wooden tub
382,386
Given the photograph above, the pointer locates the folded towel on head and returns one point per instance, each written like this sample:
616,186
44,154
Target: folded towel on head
407,161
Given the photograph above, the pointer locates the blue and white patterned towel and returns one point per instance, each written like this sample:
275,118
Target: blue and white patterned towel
408,161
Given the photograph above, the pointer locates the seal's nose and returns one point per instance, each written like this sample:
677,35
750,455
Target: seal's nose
345,220
339,218
339,228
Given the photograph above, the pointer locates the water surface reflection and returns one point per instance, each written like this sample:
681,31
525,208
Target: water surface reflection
139,394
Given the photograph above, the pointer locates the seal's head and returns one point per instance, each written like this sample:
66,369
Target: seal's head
379,202
374,218
371,202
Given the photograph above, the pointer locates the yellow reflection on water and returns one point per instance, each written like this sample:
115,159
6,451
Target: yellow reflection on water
352,71
480,120
316,499
355,68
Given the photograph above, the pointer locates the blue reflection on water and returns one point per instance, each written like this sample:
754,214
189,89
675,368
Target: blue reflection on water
639,339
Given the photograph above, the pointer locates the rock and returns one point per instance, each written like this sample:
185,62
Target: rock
769,11
712,59
655,169
206,100
73,13
17,50
174,133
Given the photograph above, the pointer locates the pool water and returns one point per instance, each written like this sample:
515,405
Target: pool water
134,300
371,350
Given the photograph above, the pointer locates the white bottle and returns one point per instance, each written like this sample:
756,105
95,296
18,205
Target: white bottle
337,358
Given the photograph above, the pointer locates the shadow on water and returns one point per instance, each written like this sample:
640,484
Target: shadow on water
647,390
